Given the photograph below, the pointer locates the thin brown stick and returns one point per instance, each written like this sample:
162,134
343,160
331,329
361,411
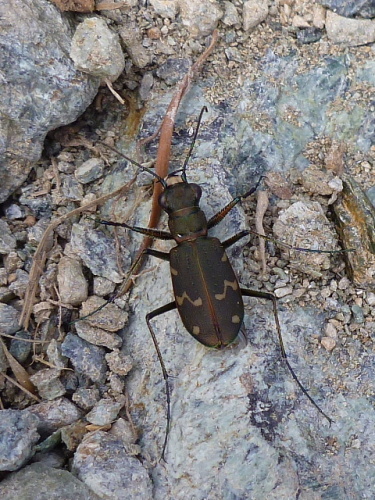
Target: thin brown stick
12,381
31,341
23,378
262,205
164,150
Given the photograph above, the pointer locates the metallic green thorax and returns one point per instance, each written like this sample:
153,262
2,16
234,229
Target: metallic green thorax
181,202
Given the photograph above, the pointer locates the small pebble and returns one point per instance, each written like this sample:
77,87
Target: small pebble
358,316
282,292
328,343
331,331
48,383
104,412
119,362
370,299
343,284
86,398
90,170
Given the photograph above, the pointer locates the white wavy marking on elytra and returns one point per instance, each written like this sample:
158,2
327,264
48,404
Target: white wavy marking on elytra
232,284
180,300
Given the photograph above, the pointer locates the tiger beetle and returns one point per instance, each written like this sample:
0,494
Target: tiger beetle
207,293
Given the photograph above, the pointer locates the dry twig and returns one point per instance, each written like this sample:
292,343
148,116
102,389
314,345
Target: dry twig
164,150
262,205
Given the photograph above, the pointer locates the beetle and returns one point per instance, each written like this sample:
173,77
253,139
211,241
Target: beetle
207,293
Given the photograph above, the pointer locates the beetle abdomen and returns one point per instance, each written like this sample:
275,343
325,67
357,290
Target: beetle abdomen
208,296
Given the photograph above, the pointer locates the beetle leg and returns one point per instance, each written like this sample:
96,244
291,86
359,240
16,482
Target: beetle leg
270,296
152,233
224,211
149,317
231,241
146,251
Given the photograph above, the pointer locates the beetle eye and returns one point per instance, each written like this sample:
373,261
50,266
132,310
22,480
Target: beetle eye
197,191
163,200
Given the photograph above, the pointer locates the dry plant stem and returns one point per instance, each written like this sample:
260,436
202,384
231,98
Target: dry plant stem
18,370
61,334
118,97
20,339
262,205
164,150
30,394
42,250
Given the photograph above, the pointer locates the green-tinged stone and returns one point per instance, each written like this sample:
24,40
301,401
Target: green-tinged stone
355,218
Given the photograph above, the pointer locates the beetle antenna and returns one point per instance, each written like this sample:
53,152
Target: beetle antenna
183,175
141,167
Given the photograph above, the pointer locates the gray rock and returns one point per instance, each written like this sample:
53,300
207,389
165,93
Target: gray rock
86,398
119,363
123,429
7,240
71,189
3,277
103,465
9,318
304,225
146,86
253,13
90,170
103,286
12,262
55,414
19,349
48,383
18,435
19,285
351,8
110,317
132,38
86,358
309,35
97,336
358,315
200,18
55,356
231,16
104,412
40,482
173,70
73,287
165,8
97,252
14,212
350,32
35,40
96,50
3,360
